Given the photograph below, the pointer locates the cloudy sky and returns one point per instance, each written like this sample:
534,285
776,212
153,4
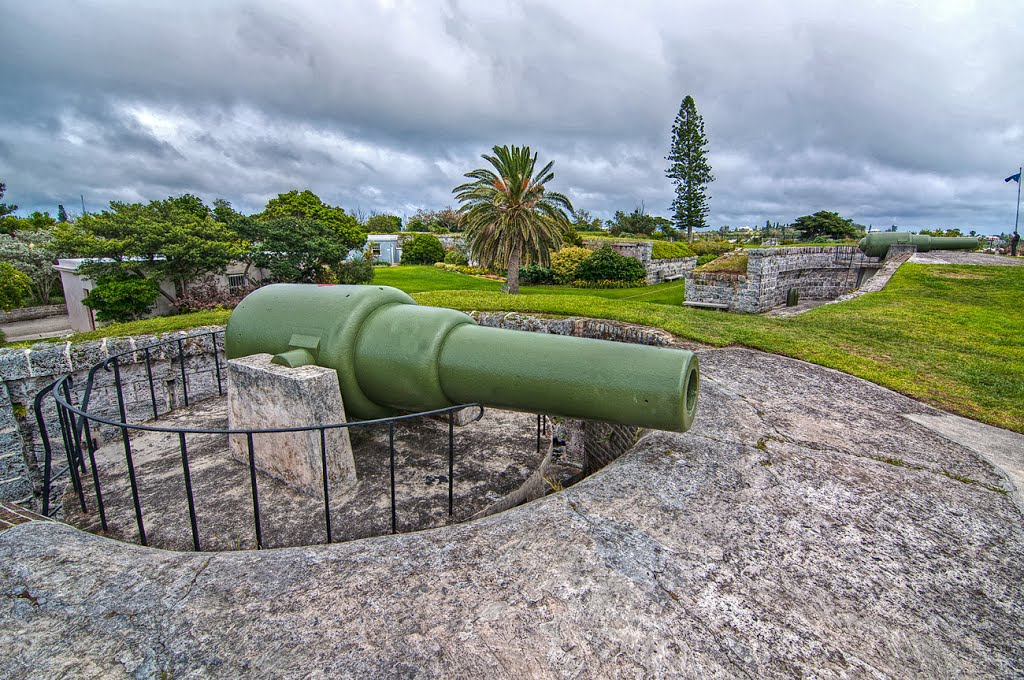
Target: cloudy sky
888,112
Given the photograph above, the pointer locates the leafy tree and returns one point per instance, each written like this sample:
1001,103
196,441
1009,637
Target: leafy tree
450,219
298,237
224,213
175,239
584,221
638,222
510,214
825,224
33,254
422,249
122,296
383,224
62,214
688,169
5,209
14,286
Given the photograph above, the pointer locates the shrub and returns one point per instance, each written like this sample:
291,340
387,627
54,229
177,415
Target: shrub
704,259
14,286
565,262
607,265
663,250
422,249
122,297
358,270
732,263
456,257
535,275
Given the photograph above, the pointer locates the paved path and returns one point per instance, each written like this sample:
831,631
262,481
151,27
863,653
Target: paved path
810,524
37,329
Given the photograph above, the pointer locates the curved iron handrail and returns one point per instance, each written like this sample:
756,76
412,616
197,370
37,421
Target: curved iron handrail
75,421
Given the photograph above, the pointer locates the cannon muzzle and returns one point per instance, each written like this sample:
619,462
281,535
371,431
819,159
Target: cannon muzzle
877,243
393,355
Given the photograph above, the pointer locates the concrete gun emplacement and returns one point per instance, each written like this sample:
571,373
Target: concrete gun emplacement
393,356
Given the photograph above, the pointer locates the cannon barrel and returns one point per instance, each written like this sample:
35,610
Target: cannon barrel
393,355
877,244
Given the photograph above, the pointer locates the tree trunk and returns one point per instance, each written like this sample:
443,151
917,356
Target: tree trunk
689,233
513,270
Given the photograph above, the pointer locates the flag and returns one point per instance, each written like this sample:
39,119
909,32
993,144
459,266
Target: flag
1013,178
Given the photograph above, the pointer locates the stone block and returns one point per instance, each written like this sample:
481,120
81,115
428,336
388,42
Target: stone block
13,364
262,395
49,359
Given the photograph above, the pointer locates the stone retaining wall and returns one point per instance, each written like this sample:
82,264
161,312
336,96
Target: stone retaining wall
23,372
30,313
818,273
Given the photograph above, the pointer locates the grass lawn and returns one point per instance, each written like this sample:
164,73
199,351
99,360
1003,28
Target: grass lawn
951,336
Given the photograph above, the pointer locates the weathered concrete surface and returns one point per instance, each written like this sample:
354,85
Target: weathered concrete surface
263,395
803,527
964,257
492,458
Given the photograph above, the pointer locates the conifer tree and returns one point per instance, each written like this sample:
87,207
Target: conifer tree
688,169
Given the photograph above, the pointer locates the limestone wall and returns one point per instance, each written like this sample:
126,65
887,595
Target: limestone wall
29,313
818,273
23,372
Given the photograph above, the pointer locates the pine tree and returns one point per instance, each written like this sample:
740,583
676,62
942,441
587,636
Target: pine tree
688,169
62,214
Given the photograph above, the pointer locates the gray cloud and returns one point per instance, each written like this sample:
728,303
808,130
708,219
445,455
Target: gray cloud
887,112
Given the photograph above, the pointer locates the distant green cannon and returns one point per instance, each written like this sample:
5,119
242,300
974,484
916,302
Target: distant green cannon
877,244
393,355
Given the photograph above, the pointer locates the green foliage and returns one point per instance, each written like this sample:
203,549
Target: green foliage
689,169
355,271
62,214
825,224
639,222
463,269
383,224
535,275
422,249
606,283
607,265
584,221
14,286
704,259
941,232
121,296
663,250
711,247
511,217
456,256
730,263
32,253
299,238
566,261
176,239
5,209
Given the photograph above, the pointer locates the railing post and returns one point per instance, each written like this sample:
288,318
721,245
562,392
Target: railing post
216,361
391,450
181,365
128,452
152,390
188,490
327,491
255,492
47,450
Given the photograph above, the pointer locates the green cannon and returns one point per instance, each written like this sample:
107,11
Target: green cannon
394,356
877,244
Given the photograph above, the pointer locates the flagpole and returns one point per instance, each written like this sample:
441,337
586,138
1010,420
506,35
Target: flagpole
1016,219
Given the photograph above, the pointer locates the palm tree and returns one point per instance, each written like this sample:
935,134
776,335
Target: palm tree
510,216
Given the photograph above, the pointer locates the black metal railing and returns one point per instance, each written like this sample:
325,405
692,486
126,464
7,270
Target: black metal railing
76,423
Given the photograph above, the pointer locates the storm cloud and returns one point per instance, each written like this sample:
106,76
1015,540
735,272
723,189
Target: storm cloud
888,112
